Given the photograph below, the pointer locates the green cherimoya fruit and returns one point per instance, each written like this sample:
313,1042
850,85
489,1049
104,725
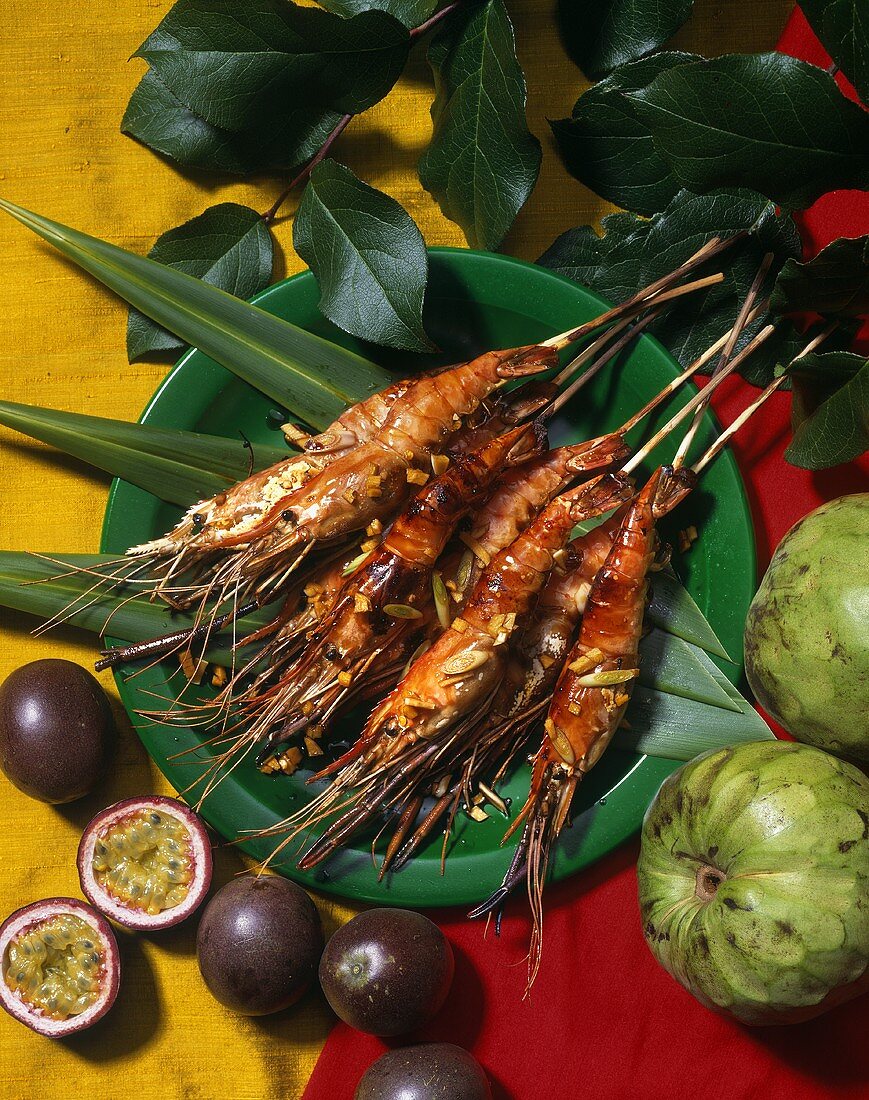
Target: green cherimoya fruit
807,632
754,880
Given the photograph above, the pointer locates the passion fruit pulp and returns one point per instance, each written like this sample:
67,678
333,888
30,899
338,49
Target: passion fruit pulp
145,862
59,966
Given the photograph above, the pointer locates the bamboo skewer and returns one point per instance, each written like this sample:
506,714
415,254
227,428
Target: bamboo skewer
712,248
737,330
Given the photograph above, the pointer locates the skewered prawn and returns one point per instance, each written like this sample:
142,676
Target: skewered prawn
219,575
520,494
537,654
519,497
448,685
591,695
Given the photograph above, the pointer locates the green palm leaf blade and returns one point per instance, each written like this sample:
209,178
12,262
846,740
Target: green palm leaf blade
671,665
47,587
176,466
304,373
671,726
673,609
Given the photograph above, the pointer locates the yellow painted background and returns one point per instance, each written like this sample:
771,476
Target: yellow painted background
64,82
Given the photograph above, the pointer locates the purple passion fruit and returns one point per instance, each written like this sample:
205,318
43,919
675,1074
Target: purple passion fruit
387,971
258,944
59,966
56,730
430,1071
145,862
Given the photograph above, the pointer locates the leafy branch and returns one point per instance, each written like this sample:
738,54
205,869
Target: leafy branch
215,95
699,147
691,147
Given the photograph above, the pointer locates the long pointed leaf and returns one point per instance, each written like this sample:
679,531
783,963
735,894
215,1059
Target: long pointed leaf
673,609
306,374
176,466
46,587
678,729
669,664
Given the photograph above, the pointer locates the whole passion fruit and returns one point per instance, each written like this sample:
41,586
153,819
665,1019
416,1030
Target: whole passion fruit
429,1071
754,880
56,730
387,971
258,945
145,862
807,632
59,966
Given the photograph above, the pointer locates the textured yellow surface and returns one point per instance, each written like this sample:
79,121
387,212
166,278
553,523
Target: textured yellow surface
65,81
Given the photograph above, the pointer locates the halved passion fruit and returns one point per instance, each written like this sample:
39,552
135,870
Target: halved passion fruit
59,966
145,862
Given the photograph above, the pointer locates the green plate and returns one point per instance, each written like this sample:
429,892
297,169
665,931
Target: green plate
475,301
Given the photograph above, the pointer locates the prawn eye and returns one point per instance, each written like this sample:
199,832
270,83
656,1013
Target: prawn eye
288,516
198,520
331,653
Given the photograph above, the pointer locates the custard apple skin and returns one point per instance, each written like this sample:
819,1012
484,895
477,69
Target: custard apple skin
807,631
754,880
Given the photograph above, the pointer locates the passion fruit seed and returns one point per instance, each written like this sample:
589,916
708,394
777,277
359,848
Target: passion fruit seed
144,861
55,965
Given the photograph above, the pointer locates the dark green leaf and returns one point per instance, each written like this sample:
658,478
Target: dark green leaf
482,162
843,28
606,146
766,121
601,34
669,664
816,377
306,374
282,138
835,282
179,467
609,263
368,256
633,252
228,62
411,12
835,428
228,246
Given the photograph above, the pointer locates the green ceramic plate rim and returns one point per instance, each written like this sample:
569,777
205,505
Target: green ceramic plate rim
609,821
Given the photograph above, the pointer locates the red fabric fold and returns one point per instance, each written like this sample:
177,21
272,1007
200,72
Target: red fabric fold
604,1020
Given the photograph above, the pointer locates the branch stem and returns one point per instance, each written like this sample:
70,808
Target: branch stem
341,125
432,21
339,128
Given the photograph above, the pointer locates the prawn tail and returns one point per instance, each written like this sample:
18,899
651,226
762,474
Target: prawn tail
600,495
532,359
597,454
530,444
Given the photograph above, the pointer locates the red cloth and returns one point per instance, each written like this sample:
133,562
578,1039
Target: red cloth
604,1020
